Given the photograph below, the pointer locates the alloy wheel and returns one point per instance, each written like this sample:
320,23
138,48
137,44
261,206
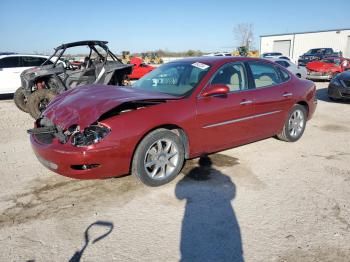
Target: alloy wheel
161,159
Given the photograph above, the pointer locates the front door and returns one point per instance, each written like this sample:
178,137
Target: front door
225,121
10,70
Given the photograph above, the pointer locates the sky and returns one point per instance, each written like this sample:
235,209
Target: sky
38,26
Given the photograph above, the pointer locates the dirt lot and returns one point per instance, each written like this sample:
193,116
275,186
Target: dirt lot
276,201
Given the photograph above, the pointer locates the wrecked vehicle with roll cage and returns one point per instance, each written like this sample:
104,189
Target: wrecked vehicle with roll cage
41,84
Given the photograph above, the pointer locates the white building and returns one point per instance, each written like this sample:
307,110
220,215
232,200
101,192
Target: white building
296,44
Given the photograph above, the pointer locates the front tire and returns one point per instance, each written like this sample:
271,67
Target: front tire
20,99
295,124
38,101
159,158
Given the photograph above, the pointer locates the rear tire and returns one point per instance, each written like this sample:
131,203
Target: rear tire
295,124
20,99
38,101
159,158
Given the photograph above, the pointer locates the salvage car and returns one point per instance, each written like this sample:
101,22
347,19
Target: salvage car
181,110
339,87
314,54
42,83
139,68
327,68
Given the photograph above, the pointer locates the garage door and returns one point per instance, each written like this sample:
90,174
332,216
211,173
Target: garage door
282,46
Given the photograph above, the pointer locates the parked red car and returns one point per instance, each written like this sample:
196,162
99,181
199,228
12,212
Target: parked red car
181,110
327,68
139,69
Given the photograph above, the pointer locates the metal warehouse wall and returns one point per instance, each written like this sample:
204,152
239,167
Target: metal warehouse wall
302,42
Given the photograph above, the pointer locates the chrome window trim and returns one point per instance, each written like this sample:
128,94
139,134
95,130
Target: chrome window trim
241,119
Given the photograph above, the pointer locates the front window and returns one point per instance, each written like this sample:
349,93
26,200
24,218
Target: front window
232,75
331,61
177,79
10,62
313,51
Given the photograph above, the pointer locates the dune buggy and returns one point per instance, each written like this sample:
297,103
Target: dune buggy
41,84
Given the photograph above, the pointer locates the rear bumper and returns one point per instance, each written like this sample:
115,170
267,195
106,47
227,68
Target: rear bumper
319,77
68,160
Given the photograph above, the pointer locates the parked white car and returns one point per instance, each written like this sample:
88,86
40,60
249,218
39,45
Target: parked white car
275,55
11,67
299,71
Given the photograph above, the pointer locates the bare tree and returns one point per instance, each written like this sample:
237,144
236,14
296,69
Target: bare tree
244,34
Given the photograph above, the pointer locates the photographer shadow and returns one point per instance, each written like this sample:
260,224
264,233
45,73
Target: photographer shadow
210,230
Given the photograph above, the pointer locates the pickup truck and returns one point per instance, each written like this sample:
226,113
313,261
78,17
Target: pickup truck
314,54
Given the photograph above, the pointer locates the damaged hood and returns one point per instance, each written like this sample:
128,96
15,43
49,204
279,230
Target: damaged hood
320,66
84,105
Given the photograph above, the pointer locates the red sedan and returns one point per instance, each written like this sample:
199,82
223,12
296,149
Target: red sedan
181,110
327,68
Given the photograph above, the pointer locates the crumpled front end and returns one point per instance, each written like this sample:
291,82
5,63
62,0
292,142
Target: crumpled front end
75,153
74,138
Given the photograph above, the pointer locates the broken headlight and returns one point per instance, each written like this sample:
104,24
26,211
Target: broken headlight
91,135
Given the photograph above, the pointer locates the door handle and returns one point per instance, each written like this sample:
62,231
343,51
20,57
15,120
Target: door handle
287,94
246,102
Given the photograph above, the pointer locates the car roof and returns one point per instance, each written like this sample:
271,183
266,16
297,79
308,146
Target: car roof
12,55
7,53
272,53
216,59
80,43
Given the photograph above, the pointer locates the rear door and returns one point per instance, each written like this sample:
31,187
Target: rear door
10,70
273,97
224,121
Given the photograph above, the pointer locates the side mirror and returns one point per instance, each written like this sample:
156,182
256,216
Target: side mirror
216,89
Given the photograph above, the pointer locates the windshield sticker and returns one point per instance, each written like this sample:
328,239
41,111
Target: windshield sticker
200,65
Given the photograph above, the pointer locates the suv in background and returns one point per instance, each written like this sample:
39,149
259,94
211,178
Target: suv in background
314,54
11,67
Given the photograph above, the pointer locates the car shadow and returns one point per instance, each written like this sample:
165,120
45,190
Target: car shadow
322,94
109,228
210,230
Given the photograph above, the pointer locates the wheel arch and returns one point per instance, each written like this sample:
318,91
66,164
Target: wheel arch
171,127
305,105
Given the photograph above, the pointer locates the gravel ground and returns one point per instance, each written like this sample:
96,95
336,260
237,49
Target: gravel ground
266,201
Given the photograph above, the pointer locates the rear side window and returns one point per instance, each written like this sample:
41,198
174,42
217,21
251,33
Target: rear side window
29,61
284,75
283,63
264,74
9,62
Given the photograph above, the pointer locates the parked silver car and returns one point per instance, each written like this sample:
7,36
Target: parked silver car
299,71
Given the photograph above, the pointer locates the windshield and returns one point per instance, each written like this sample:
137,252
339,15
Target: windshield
331,61
177,79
